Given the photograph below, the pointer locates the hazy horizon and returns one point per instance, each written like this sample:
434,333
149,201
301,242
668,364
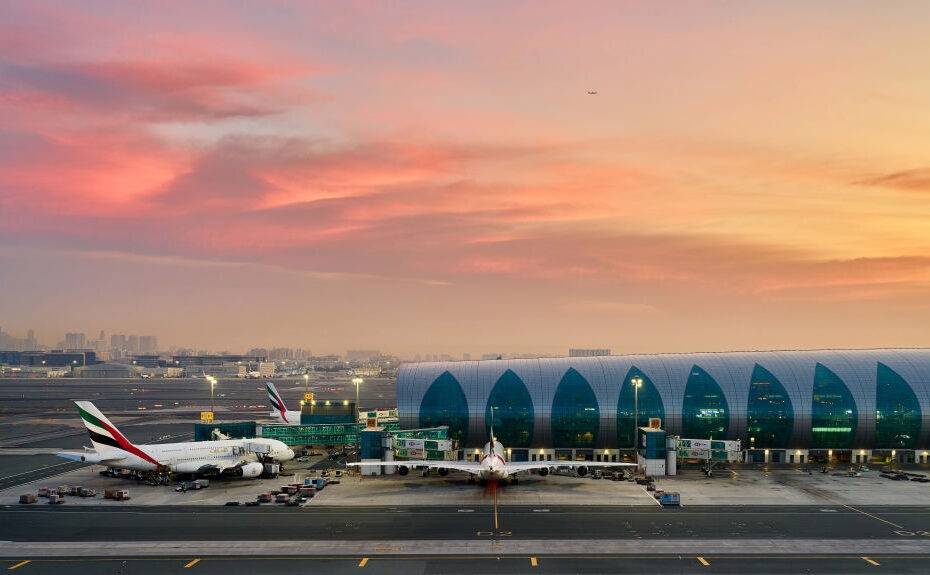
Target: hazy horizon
430,177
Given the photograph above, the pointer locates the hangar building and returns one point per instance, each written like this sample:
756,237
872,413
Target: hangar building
784,406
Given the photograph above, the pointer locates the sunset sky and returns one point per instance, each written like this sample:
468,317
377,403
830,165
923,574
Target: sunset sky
433,177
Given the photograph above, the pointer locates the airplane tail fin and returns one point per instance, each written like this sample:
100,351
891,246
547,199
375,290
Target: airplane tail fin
277,404
103,434
492,426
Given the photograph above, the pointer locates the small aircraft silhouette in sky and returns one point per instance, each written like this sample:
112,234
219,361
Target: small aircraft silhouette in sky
592,92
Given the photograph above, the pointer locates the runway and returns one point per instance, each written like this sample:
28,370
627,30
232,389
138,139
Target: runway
472,564
177,523
462,540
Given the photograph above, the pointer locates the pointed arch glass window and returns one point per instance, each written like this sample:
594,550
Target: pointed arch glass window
575,412
444,404
897,411
834,416
513,411
704,412
769,414
648,401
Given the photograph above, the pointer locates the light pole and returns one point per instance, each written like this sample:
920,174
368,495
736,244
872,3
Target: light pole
357,381
637,383
212,384
307,382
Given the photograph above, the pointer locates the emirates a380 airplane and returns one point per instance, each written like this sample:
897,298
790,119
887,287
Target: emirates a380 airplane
493,466
236,457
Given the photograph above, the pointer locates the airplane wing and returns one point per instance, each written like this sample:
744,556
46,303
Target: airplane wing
91,457
515,467
469,466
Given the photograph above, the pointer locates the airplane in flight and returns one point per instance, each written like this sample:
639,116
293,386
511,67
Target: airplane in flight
592,92
493,466
278,410
232,457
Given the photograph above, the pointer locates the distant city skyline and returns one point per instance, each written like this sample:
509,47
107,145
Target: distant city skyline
433,177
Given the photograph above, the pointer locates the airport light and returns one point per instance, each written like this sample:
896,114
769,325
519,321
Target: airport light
637,383
307,382
357,381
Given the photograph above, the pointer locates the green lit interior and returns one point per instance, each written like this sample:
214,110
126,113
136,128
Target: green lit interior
649,402
575,413
513,411
770,417
704,412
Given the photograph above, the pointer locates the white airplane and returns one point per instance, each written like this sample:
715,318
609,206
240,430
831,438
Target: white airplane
493,466
278,410
237,457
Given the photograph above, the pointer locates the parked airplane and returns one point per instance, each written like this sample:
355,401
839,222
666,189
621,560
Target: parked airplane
278,410
493,466
237,457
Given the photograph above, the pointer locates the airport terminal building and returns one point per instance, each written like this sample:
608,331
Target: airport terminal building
784,406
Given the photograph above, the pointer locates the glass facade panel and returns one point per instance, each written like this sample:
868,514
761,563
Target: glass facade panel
649,404
897,415
513,411
704,412
834,416
769,415
575,413
444,404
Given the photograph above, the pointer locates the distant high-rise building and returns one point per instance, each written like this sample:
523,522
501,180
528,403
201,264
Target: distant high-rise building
75,340
132,344
148,344
118,342
588,352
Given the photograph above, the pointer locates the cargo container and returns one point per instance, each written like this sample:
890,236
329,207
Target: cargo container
87,492
55,499
28,498
63,490
280,498
110,493
43,492
122,495
264,498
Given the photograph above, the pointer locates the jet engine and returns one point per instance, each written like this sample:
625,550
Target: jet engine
582,471
543,471
403,469
250,470
443,471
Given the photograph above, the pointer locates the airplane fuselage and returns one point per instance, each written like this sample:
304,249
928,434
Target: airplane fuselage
493,462
190,457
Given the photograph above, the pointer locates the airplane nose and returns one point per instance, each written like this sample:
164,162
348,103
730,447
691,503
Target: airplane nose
290,453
